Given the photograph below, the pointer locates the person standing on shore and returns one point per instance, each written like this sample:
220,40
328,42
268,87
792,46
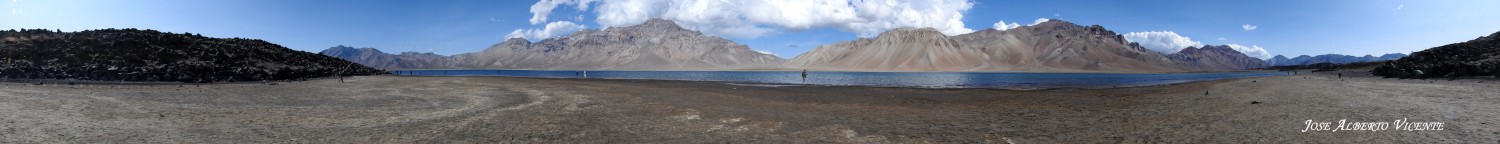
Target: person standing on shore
804,75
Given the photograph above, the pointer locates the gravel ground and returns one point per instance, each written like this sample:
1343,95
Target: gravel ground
395,109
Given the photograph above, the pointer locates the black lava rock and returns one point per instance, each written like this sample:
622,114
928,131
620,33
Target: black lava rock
1472,58
150,55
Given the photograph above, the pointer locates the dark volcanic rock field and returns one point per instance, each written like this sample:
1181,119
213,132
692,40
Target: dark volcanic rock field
150,55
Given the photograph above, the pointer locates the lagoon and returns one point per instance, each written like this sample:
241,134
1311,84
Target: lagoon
999,80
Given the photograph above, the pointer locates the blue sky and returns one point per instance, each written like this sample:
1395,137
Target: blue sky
1289,27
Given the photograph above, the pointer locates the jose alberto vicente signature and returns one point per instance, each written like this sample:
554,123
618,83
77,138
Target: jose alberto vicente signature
1398,125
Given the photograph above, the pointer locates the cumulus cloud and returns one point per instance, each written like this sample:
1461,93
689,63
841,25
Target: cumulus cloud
1039,21
1252,51
754,18
1248,27
1171,42
554,29
1161,41
1004,26
541,9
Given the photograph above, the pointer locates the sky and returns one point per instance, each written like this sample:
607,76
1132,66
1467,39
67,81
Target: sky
785,28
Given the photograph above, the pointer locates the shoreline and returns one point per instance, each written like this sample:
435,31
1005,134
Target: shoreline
65,81
815,70
407,109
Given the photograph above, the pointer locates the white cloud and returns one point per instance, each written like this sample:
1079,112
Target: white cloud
764,52
541,9
1004,26
1252,51
1398,7
754,18
1248,27
1170,42
1222,39
1039,21
554,29
1161,41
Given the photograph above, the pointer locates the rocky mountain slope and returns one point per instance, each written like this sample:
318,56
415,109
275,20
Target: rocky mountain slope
1478,57
1220,57
405,60
1280,60
654,45
149,55
1053,46
923,49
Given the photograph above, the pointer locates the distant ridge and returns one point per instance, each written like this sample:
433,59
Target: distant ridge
1280,60
405,60
1211,57
150,55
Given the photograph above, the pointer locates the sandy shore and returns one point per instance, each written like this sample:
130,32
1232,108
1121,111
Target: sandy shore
387,109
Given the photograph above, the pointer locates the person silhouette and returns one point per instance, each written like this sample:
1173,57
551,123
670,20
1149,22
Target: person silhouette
804,75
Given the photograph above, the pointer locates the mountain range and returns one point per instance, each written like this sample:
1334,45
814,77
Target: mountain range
1280,60
405,60
1053,46
654,45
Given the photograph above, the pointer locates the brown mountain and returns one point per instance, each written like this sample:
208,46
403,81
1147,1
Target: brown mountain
923,49
654,45
1053,46
1219,57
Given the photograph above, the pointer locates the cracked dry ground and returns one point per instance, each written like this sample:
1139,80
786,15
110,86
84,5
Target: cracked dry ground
391,109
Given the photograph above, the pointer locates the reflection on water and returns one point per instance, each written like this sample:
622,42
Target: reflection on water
877,79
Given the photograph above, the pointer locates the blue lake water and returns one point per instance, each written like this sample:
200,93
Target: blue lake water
876,79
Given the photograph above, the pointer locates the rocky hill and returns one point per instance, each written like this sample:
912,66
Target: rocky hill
654,45
1478,57
406,60
1280,60
1052,46
149,55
